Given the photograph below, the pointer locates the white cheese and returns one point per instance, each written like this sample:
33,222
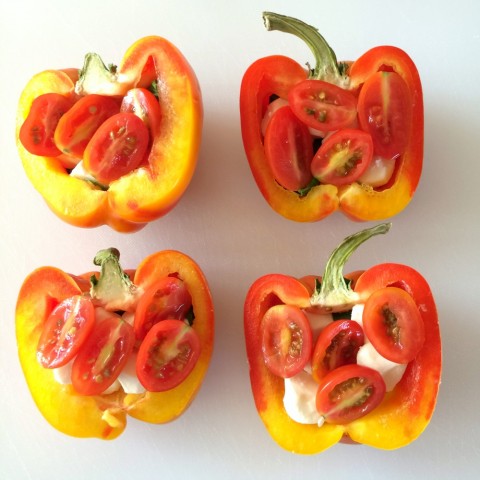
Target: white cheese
128,377
318,321
378,172
300,399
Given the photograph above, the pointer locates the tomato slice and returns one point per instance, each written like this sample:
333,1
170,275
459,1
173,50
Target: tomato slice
394,325
323,106
337,345
77,126
286,340
343,157
37,131
348,393
117,147
166,298
385,111
288,149
103,355
167,355
65,331
145,105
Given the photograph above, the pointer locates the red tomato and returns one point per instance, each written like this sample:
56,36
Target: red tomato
167,298
117,147
323,106
36,132
343,157
385,111
337,345
394,325
286,341
167,355
65,331
103,355
348,393
76,128
288,149
145,105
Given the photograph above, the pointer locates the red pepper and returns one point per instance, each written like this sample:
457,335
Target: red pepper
91,414
405,411
366,81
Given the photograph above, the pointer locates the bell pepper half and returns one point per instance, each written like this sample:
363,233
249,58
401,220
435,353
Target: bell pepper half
392,107
404,412
128,203
104,415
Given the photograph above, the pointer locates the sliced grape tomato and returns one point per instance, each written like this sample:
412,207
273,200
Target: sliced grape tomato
167,355
146,106
286,340
394,325
65,331
348,393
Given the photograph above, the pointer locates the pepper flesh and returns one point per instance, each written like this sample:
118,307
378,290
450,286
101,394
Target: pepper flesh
276,75
405,411
104,416
148,192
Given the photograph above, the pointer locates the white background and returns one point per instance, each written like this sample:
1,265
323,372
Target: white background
224,223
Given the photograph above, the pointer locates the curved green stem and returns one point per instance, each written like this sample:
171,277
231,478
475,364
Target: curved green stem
335,294
326,65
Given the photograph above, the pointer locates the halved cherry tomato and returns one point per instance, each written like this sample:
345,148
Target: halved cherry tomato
343,157
145,105
65,331
348,393
76,128
323,106
166,298
37,131
288,149
337,345
286,340
102,356
394,325
117,147
167,355
385,111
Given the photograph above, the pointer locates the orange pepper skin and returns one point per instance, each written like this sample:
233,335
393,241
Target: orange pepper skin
105,416
149,192
404,413
276,75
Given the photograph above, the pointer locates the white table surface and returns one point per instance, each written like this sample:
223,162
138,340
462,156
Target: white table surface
224,223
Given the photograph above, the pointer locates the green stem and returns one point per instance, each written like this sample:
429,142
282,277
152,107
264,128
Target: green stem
326,65
334,293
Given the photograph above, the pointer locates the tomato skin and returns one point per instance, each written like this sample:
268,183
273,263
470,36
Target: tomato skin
76,128
323,106
288,149
337,345
393,324
348,393
385,111
286,340
117,147
166,298
37,131
65,330
343,157
167,355
145,105
103,356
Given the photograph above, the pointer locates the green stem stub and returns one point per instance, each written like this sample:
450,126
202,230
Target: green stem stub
326,65
113,289
334,294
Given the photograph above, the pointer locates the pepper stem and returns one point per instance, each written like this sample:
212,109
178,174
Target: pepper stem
326,65
334,294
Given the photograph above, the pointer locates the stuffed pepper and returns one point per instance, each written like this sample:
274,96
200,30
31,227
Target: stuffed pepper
113,145
342,136
354,358
97,347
